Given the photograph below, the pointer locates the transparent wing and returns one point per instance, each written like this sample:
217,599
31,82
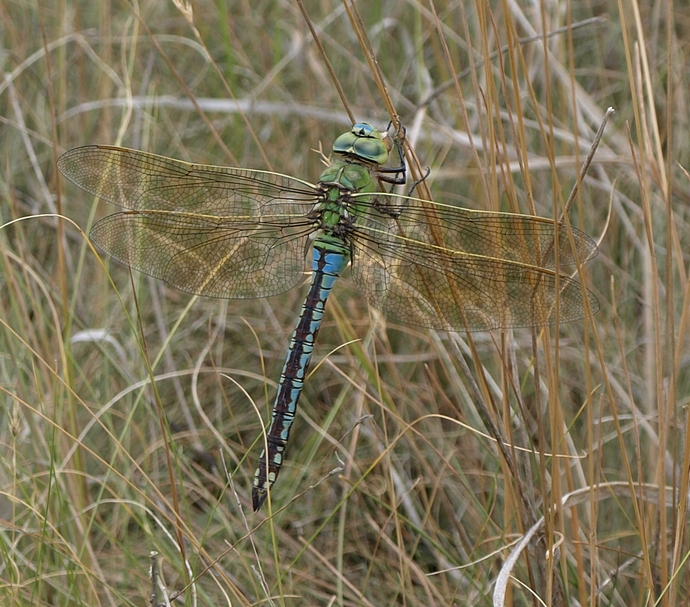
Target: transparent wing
214,231
444,267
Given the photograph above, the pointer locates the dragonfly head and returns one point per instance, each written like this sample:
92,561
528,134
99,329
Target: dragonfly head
363,143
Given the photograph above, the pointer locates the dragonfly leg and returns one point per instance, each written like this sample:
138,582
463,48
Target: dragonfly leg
427,172
398,175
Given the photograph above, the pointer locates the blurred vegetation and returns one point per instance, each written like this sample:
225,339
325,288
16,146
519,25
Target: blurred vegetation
394,491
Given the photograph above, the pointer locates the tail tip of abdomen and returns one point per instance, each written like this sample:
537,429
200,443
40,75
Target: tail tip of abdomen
258,498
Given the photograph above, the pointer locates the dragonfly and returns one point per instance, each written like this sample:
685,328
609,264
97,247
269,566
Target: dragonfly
242,233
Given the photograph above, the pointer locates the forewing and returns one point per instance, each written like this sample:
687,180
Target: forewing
524,239
141,182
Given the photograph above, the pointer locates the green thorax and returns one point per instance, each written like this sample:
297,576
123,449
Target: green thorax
363,150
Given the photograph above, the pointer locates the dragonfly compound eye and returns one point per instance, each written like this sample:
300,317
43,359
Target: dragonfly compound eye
363,143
